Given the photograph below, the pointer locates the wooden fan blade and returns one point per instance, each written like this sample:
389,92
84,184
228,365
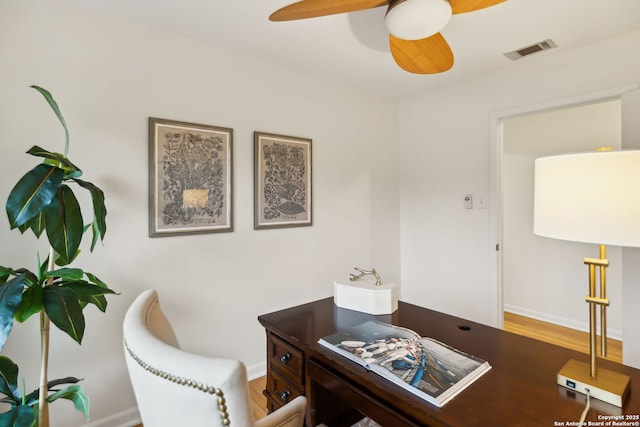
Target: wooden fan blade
463,6
424,56
314,8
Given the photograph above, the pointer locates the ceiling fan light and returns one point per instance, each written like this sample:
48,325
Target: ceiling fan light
417,19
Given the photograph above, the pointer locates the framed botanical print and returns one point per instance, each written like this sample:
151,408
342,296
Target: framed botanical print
190,178
282,181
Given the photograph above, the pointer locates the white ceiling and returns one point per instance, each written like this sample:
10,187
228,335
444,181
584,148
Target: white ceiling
353,49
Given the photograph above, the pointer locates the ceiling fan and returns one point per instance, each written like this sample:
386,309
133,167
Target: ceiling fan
414,26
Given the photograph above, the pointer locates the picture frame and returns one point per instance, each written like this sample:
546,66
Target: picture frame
282,181
190,178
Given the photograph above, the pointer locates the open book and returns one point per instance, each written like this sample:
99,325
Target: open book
426,367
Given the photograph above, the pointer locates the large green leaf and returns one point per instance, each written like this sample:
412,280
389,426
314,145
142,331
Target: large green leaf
89,294
33,193
84,289
63,220
10,298
19,416
31,303
64,310
54,106
99,301
95,280
66,380
34,397
9,379
36,224
75,394
99,210
5,273
29,277
62,261
70,169
65,273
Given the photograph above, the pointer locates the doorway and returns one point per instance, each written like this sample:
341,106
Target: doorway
550,278
545,279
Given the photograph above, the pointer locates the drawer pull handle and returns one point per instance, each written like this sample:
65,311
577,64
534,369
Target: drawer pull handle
285,358
285,395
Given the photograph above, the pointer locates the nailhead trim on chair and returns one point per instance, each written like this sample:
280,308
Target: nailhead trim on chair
222,406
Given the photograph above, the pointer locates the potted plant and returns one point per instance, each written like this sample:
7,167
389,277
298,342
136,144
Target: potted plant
43,201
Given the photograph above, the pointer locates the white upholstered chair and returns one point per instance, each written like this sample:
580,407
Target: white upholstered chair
177,388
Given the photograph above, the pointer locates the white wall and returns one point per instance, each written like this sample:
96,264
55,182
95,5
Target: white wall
546,278
447,251
631,256
109,76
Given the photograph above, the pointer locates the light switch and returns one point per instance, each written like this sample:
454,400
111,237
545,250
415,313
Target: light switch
482,203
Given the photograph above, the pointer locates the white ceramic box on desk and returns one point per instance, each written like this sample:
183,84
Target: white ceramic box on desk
365,296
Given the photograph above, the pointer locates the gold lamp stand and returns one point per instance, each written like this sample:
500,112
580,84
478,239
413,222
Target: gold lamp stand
603,384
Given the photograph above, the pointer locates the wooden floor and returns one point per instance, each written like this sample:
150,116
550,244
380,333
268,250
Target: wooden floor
542,331
258,401
554,334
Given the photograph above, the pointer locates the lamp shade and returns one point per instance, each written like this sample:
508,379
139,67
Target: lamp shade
590,197
417,19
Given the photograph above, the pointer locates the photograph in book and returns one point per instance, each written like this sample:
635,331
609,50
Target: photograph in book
426,367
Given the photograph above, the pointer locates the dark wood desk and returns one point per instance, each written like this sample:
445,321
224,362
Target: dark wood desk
520,389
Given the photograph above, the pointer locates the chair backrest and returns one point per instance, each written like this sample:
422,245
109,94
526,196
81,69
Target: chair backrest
174,387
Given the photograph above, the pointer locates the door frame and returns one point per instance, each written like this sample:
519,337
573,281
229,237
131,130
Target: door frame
495,181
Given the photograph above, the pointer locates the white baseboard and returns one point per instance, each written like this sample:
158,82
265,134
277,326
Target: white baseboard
127,418
559,320
257,370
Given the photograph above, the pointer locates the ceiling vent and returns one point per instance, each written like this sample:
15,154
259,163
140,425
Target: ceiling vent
530,50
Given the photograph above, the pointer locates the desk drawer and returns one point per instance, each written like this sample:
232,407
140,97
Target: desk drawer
279,390
287,361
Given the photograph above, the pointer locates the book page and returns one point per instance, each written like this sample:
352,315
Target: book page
371,341
426,367
430,366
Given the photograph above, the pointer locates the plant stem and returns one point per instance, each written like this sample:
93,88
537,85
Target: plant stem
44,353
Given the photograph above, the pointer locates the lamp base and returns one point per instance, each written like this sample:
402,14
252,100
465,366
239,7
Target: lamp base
611,387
